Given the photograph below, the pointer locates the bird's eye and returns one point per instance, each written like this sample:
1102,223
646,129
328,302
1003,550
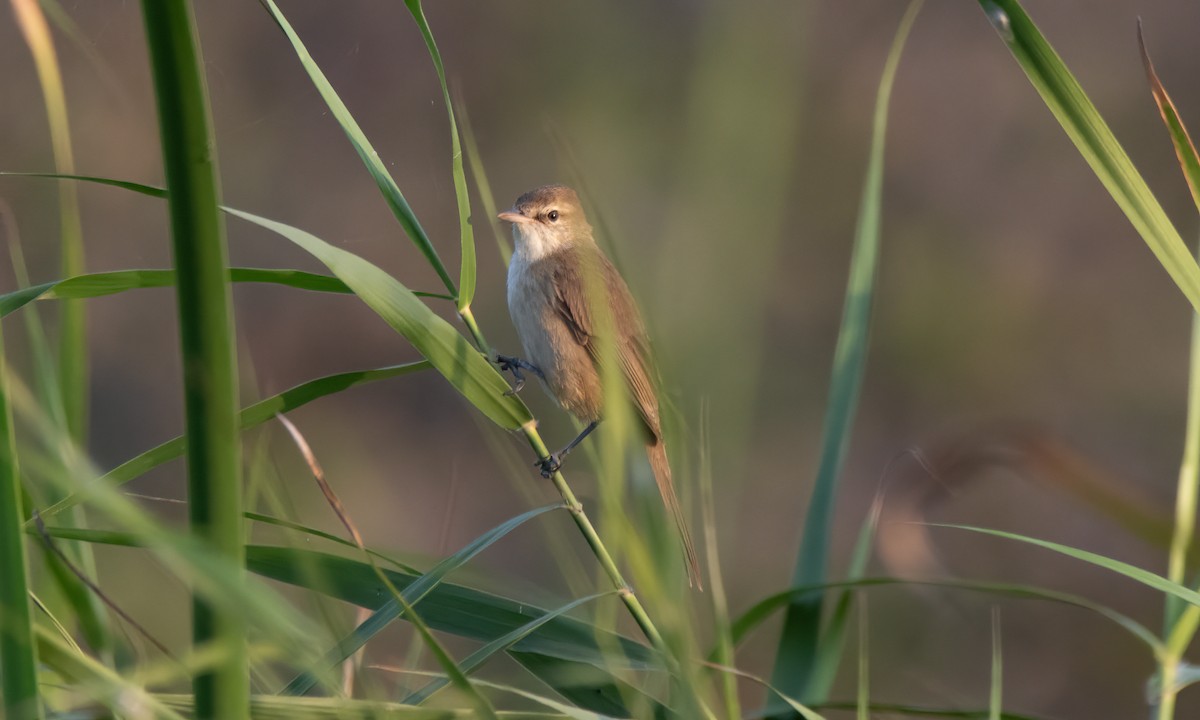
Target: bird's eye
552,215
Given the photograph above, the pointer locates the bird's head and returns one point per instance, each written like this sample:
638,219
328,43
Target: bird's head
547,219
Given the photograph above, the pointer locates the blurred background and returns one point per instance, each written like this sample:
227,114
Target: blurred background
1028,359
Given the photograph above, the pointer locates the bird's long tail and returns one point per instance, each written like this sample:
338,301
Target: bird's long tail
662,474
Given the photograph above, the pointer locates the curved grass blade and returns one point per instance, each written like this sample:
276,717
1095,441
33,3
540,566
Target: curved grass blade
562,652
251,416
466,281
1180,621
568,654
482,186
1145,577
504,642
765,608
1095,141
1185,149
412,594
111,283
798,656
139,188
383,179
447,350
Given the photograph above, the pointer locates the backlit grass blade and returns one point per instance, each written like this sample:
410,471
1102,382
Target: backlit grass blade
475,162
413,594
1185,149
391,192
206,339
253,415
18,654
466,282
112,283
797,655
1145,577
1095,141
69,371
833,633
72,355
447,350
764,609
1180,621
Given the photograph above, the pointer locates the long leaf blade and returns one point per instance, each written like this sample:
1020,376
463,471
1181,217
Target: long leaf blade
798,652
1070,105
366,152
251,416
413,594
447,350
466,281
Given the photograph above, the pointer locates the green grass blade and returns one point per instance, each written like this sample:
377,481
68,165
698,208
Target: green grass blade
1145,577
1180,621
72,355
1185,149
1095,141
139,188
267,707
451,608
206,336
253,415
798,652
475,162
391,192
833,634
996,695
70,370
864,664
764,609
890,709
466,282
590,686
18,654
476,659
412,594
100,683
112,283
447,350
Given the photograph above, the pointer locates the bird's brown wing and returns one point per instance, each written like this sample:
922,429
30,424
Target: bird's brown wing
573,285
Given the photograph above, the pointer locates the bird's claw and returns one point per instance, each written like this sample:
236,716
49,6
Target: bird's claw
515,365
549,465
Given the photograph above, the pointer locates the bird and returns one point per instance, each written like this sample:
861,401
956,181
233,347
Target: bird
556,278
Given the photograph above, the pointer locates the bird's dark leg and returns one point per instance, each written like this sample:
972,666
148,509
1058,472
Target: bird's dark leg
515,365
551,465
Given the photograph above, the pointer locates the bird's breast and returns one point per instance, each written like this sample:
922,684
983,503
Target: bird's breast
570,375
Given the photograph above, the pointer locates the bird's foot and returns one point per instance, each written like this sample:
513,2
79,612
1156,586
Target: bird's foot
515,365
549,465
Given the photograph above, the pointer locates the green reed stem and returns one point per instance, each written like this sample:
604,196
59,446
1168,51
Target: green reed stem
206,334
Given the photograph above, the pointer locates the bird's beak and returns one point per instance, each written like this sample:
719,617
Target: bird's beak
514,217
